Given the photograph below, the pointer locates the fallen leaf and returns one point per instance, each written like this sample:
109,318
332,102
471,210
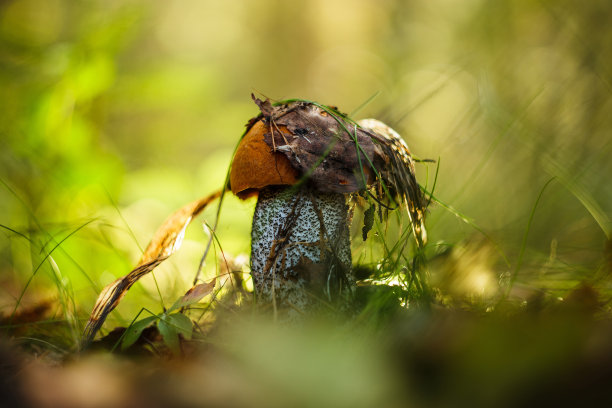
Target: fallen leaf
194,295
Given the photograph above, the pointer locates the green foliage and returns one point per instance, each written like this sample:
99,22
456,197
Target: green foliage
170,326
133,332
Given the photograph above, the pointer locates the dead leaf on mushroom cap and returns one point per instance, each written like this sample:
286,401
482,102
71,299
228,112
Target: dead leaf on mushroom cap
167,240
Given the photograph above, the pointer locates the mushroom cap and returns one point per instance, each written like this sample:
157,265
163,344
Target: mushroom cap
304,141
288,142
256,165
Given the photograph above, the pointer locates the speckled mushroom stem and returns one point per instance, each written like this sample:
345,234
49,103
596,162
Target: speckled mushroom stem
300,250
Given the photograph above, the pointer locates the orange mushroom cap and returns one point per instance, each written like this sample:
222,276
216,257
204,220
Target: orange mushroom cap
256,165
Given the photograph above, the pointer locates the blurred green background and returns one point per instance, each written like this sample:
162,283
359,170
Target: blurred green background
116,113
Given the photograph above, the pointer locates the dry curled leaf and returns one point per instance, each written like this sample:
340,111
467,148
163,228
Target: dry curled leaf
194,294
167,240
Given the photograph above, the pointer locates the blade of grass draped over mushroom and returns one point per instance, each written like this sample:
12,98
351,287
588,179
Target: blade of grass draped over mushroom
167,240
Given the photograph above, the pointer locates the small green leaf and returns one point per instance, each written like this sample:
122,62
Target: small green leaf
133,332
182,324
169,334
170,326
368,221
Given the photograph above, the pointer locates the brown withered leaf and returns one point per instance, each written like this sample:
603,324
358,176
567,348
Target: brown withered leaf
169,237
194,294
167,240
264,106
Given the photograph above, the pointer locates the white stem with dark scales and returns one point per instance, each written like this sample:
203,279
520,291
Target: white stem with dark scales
300,249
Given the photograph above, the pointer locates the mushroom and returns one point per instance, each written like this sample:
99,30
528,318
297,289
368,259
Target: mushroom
304,161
